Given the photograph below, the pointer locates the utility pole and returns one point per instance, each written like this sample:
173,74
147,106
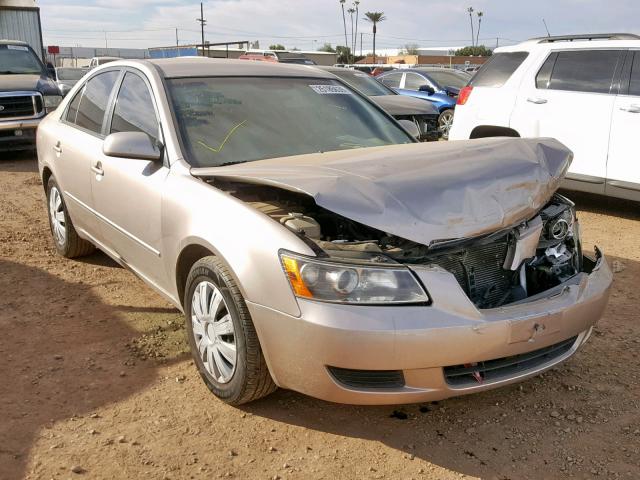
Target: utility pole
203,22
177,43
105,40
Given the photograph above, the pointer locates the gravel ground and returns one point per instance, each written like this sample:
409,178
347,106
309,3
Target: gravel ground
97,383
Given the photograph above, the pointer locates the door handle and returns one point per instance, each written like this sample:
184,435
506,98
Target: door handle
631,109
97,168
537,100
57,148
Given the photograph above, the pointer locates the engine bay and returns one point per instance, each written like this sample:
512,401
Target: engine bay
494,270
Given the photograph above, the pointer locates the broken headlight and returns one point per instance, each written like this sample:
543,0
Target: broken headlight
343,282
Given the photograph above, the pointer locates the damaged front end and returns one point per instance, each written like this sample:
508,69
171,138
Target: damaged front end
495,269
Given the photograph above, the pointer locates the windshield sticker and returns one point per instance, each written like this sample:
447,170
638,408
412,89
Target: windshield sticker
17,47
330,90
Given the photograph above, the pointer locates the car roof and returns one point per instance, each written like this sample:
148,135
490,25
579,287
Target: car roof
571,42
13,42
205,67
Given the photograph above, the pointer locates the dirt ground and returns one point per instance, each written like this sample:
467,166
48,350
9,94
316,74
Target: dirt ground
96,382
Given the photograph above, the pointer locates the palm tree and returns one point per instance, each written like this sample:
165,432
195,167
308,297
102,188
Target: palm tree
355,43
344,22
470,10
351,12
480,15
375,18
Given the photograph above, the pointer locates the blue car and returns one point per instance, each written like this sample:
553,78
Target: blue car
440,86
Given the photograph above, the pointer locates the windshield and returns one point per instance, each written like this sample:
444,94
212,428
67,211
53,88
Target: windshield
18,59
448,78
70,73
363,82
242,119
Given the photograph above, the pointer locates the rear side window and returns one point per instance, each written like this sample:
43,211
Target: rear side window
579,71
94,101
413,81
634,84
134,110
392,80
498,69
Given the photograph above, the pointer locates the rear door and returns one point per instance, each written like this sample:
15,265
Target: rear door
571,98
78,143
127,192
623,167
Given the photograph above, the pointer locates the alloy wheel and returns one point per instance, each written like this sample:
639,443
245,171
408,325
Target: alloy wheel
213,331
445,121
56,212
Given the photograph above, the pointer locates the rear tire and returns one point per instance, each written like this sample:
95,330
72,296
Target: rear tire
65,238
223,340
445,120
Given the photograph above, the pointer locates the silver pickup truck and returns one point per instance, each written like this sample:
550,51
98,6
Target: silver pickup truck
27,94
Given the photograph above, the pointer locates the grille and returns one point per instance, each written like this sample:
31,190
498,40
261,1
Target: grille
506,367
427,124
478,270
368,378
19,106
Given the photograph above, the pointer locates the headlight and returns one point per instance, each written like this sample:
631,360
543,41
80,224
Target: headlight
338,282
51,102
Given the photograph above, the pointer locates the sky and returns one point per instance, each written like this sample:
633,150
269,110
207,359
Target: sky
308,24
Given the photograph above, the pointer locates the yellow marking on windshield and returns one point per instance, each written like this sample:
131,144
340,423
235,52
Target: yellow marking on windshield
219,149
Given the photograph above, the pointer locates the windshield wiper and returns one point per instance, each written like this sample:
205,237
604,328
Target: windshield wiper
11,72
232,163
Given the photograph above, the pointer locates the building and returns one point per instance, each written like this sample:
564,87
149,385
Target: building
20,20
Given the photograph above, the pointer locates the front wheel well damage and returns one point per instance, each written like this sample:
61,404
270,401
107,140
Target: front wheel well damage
187,258
486,131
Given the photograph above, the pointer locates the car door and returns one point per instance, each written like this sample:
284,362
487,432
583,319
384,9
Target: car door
623,167
79,140
571,98
127,192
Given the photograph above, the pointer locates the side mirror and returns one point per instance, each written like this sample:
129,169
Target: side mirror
135,145
411,128
51,73
427,88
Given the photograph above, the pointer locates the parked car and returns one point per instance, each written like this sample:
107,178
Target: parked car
419,83
27,94
278,56
423,114
583,90
321,248
67,77
97,61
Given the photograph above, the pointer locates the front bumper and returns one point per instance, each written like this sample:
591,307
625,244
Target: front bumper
18,134
420,341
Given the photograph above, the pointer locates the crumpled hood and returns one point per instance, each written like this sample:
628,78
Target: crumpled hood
404,105
28,83
423,191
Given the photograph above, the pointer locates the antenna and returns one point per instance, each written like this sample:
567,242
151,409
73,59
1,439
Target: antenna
546,28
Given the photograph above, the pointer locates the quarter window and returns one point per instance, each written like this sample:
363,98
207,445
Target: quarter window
498,69
72,111
392,80
94,101
581,71
134,110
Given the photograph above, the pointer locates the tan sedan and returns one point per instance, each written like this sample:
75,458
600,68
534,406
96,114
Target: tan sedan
311,243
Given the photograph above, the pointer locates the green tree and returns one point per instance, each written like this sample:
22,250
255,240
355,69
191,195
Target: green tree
327,48
477,51
375,18
277,46
344,54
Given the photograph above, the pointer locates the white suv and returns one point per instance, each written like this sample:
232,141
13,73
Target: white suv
583,90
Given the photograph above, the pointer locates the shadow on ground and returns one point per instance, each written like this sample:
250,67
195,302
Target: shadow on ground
63,351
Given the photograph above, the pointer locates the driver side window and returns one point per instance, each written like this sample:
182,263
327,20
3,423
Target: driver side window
413,81
134,110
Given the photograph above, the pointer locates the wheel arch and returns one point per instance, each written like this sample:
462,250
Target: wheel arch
486,131
46,175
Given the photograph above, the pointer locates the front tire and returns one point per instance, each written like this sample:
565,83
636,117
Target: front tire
223,340
445,121
65,238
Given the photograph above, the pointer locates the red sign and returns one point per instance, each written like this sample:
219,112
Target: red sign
54,50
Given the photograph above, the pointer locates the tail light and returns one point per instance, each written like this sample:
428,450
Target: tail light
464,94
